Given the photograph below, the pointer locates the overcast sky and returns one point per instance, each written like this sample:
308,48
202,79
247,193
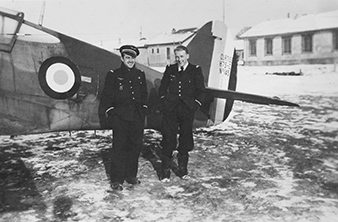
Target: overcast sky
103,20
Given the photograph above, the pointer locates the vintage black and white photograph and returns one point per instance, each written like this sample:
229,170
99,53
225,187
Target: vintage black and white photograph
187,111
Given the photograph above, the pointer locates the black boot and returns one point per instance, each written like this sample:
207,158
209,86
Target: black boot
165,170
183,165
116,186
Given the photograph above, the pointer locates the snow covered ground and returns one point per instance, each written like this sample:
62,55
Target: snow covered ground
266,163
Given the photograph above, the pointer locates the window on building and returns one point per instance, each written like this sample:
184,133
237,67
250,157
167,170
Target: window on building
152,51
168,53
335,40
252,47
268,46
158,50
286,45
307,42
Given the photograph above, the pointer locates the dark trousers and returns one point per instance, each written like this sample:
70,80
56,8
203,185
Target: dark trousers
125,152
179,121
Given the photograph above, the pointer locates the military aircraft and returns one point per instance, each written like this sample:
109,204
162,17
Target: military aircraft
52,82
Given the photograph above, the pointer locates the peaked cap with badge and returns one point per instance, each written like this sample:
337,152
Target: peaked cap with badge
129,50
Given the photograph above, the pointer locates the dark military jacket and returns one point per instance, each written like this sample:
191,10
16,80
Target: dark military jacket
187,86
124,94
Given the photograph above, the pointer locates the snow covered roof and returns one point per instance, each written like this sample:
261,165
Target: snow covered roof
321,21
173,37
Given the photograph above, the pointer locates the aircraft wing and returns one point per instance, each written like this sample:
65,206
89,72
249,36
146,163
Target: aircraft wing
245,97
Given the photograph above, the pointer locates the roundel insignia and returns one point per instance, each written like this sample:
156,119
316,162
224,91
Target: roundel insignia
59,77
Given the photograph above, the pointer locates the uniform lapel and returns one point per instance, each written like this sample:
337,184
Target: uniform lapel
177,73
187,71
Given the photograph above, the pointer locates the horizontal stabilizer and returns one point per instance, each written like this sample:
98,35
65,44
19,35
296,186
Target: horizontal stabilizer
245,97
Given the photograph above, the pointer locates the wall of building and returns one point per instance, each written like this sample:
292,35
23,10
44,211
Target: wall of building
322,51
159,58
143,57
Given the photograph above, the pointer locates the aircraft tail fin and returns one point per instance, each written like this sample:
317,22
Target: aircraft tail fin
213,49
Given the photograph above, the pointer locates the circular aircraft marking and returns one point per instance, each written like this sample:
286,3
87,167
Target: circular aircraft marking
59,78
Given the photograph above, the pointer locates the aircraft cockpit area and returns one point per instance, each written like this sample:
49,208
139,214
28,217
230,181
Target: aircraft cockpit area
12,28
10,23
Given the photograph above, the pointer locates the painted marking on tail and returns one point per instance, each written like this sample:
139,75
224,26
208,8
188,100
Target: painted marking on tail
220,67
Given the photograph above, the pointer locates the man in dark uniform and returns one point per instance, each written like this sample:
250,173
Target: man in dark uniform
181,92
123,108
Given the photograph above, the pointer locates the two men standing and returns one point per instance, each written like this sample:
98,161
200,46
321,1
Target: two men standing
123,102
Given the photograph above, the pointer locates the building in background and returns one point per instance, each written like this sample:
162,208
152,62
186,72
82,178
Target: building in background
159,51
161,48
309,39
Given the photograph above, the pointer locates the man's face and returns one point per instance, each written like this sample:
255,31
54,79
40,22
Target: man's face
128,60
181,57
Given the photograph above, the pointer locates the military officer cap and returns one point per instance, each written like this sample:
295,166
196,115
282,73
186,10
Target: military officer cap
129,50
